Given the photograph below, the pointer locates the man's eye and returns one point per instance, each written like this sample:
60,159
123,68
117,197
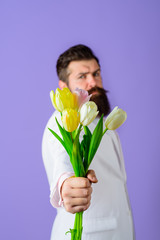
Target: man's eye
82,77
96,74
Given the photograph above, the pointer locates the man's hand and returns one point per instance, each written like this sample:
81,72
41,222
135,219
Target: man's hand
76,192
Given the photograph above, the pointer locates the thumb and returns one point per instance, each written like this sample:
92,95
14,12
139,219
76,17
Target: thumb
92,176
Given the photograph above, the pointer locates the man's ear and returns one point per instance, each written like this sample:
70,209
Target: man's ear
62,84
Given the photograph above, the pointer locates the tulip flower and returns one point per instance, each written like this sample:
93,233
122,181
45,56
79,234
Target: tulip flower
88,113
70,119
115,119
82,95
63,99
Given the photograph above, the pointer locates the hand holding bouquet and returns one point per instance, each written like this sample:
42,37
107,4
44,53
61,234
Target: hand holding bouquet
77,112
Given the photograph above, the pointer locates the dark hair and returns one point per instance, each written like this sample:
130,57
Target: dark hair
75,53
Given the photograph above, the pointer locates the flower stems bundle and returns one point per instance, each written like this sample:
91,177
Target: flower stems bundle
77,112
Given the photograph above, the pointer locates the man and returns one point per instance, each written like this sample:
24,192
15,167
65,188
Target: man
108,215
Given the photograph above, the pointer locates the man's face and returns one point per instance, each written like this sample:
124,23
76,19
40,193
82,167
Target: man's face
84,74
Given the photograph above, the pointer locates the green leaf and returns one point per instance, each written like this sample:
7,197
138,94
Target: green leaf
59,139
77,131
85,149
87,131
85,145
95,140
74,134
76,159
66,137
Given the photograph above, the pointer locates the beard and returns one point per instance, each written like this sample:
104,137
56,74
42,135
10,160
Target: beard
101,100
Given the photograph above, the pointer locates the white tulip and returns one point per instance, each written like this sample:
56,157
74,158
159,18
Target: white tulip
115,119
88,113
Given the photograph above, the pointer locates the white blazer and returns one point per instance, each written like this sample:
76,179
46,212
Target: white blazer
109,216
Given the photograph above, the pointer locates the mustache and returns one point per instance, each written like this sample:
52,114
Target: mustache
98,90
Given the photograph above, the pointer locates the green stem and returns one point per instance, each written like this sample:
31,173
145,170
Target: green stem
71,137
105,130
79,129
76,233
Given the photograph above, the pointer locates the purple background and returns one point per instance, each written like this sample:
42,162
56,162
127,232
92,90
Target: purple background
125,35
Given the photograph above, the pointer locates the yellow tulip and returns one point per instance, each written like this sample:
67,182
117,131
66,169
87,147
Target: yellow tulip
63,99
115,119
70,119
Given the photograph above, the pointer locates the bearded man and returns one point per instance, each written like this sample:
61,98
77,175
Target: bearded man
108,215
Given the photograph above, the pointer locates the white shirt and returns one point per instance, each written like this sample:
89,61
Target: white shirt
109,216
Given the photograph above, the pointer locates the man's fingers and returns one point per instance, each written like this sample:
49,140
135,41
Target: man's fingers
77,192
73,202
77,182
92,176
81,193
76,209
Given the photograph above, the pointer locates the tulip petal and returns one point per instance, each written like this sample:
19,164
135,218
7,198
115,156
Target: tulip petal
115,119
88,113
110,116
83,96
52,96
70,119
63,99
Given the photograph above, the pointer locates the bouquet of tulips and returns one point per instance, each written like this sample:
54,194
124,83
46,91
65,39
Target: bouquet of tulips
77,112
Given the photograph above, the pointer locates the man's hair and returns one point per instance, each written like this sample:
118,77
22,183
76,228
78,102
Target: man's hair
75,53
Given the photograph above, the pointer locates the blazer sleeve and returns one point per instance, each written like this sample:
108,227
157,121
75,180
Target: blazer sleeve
55,158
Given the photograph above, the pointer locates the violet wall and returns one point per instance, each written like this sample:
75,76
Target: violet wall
125,35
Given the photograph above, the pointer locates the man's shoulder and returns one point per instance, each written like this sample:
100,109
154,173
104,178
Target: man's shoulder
52,120
52,124
113,134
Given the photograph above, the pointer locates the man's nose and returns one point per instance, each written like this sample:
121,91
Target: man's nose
91,81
